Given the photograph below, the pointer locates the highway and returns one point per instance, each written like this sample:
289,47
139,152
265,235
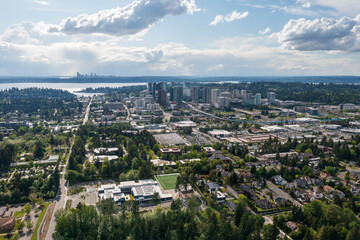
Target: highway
61,196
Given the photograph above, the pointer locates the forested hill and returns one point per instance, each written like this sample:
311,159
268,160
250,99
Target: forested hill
15,93
41,101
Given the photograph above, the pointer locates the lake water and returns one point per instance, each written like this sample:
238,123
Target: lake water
71,87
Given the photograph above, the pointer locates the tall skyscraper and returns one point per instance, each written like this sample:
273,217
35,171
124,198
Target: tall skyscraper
225,94
243,94
271,97
223,102
215,93
206,95
176,94
194,93
236,93
257,99
162,97
154,89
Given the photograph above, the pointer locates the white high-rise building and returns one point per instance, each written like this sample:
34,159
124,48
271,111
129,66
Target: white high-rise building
225,94
257,99
186,92
243,94
215,93
153,107
236,93
140,103
222,102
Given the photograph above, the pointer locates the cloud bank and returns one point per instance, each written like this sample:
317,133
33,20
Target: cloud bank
322,34
131,19
235,15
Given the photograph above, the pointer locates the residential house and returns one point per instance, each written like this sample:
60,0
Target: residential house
328,189
257,184
278,180
212,186
7,224
231,205
263,203
317,182
280,202
293,226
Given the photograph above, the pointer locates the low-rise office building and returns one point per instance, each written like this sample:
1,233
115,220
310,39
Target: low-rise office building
141,191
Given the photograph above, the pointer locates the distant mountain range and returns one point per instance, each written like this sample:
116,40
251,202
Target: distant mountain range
114,79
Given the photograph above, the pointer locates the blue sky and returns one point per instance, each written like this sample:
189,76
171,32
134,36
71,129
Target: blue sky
180,37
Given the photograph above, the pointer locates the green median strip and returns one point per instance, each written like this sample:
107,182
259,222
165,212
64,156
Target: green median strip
42,214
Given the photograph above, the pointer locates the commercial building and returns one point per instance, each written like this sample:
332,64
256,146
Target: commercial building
347,107
273,129
206,95
300,109
194,93
257,99
140,103
111,106
153,107
171,151
104,151
103,158
225,94
222,102
141,191
161,163
184,124
351,131
220,133
288,113
162,97
243,94
330,126
271,97
177,94
215,93
313,111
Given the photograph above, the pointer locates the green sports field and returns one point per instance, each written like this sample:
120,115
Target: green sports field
167,181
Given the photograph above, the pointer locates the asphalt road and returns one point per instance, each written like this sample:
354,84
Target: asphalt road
61,196
280,193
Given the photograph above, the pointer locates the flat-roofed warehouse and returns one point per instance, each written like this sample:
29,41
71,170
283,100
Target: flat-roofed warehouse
170,139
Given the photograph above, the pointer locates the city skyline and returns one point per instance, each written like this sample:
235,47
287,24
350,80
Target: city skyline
180,38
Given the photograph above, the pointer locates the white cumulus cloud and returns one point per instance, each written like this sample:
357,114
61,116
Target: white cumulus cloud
265,31
234,15
121,21
322,34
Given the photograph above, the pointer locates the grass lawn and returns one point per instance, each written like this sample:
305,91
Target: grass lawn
19,214
167,181
68,204
42,214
